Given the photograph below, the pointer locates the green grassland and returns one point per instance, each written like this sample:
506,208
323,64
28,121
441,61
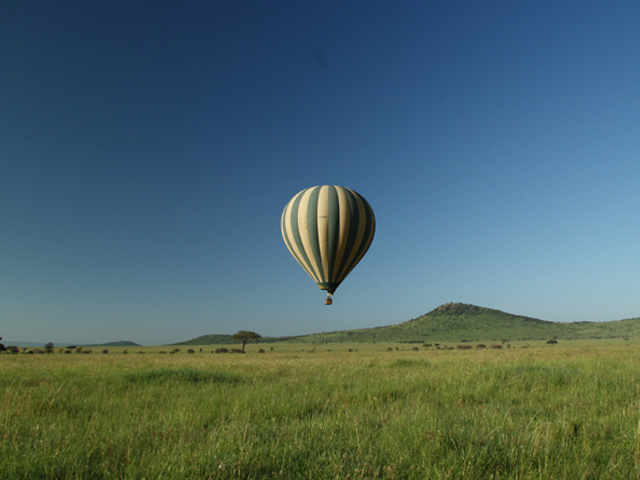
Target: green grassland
325,411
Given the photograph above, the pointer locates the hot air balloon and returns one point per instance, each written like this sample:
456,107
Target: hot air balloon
328,229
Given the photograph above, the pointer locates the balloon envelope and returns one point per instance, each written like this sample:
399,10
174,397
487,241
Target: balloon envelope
328,229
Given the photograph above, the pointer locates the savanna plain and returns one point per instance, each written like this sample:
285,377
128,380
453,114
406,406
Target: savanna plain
324,412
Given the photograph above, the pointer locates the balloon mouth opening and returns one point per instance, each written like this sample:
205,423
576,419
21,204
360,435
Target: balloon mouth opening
329,287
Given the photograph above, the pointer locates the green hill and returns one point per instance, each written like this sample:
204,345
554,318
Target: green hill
459,322
120,343
208,340
452,322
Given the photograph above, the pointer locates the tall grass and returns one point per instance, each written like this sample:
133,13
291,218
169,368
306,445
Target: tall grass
535,413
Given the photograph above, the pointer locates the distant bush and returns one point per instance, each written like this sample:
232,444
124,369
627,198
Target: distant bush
553,341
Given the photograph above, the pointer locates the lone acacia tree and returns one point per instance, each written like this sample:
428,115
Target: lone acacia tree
244,336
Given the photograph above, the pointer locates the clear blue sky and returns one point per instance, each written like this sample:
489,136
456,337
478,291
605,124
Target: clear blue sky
147,152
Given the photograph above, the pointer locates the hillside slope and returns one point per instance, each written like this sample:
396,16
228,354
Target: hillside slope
452,322
459,322
208,340
119,343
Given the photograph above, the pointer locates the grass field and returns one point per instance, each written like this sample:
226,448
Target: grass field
567,411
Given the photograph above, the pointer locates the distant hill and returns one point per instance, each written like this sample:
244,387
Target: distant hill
120,343
459,322
208,340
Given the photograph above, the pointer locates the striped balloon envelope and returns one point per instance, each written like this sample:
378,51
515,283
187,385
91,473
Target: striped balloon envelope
328,229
